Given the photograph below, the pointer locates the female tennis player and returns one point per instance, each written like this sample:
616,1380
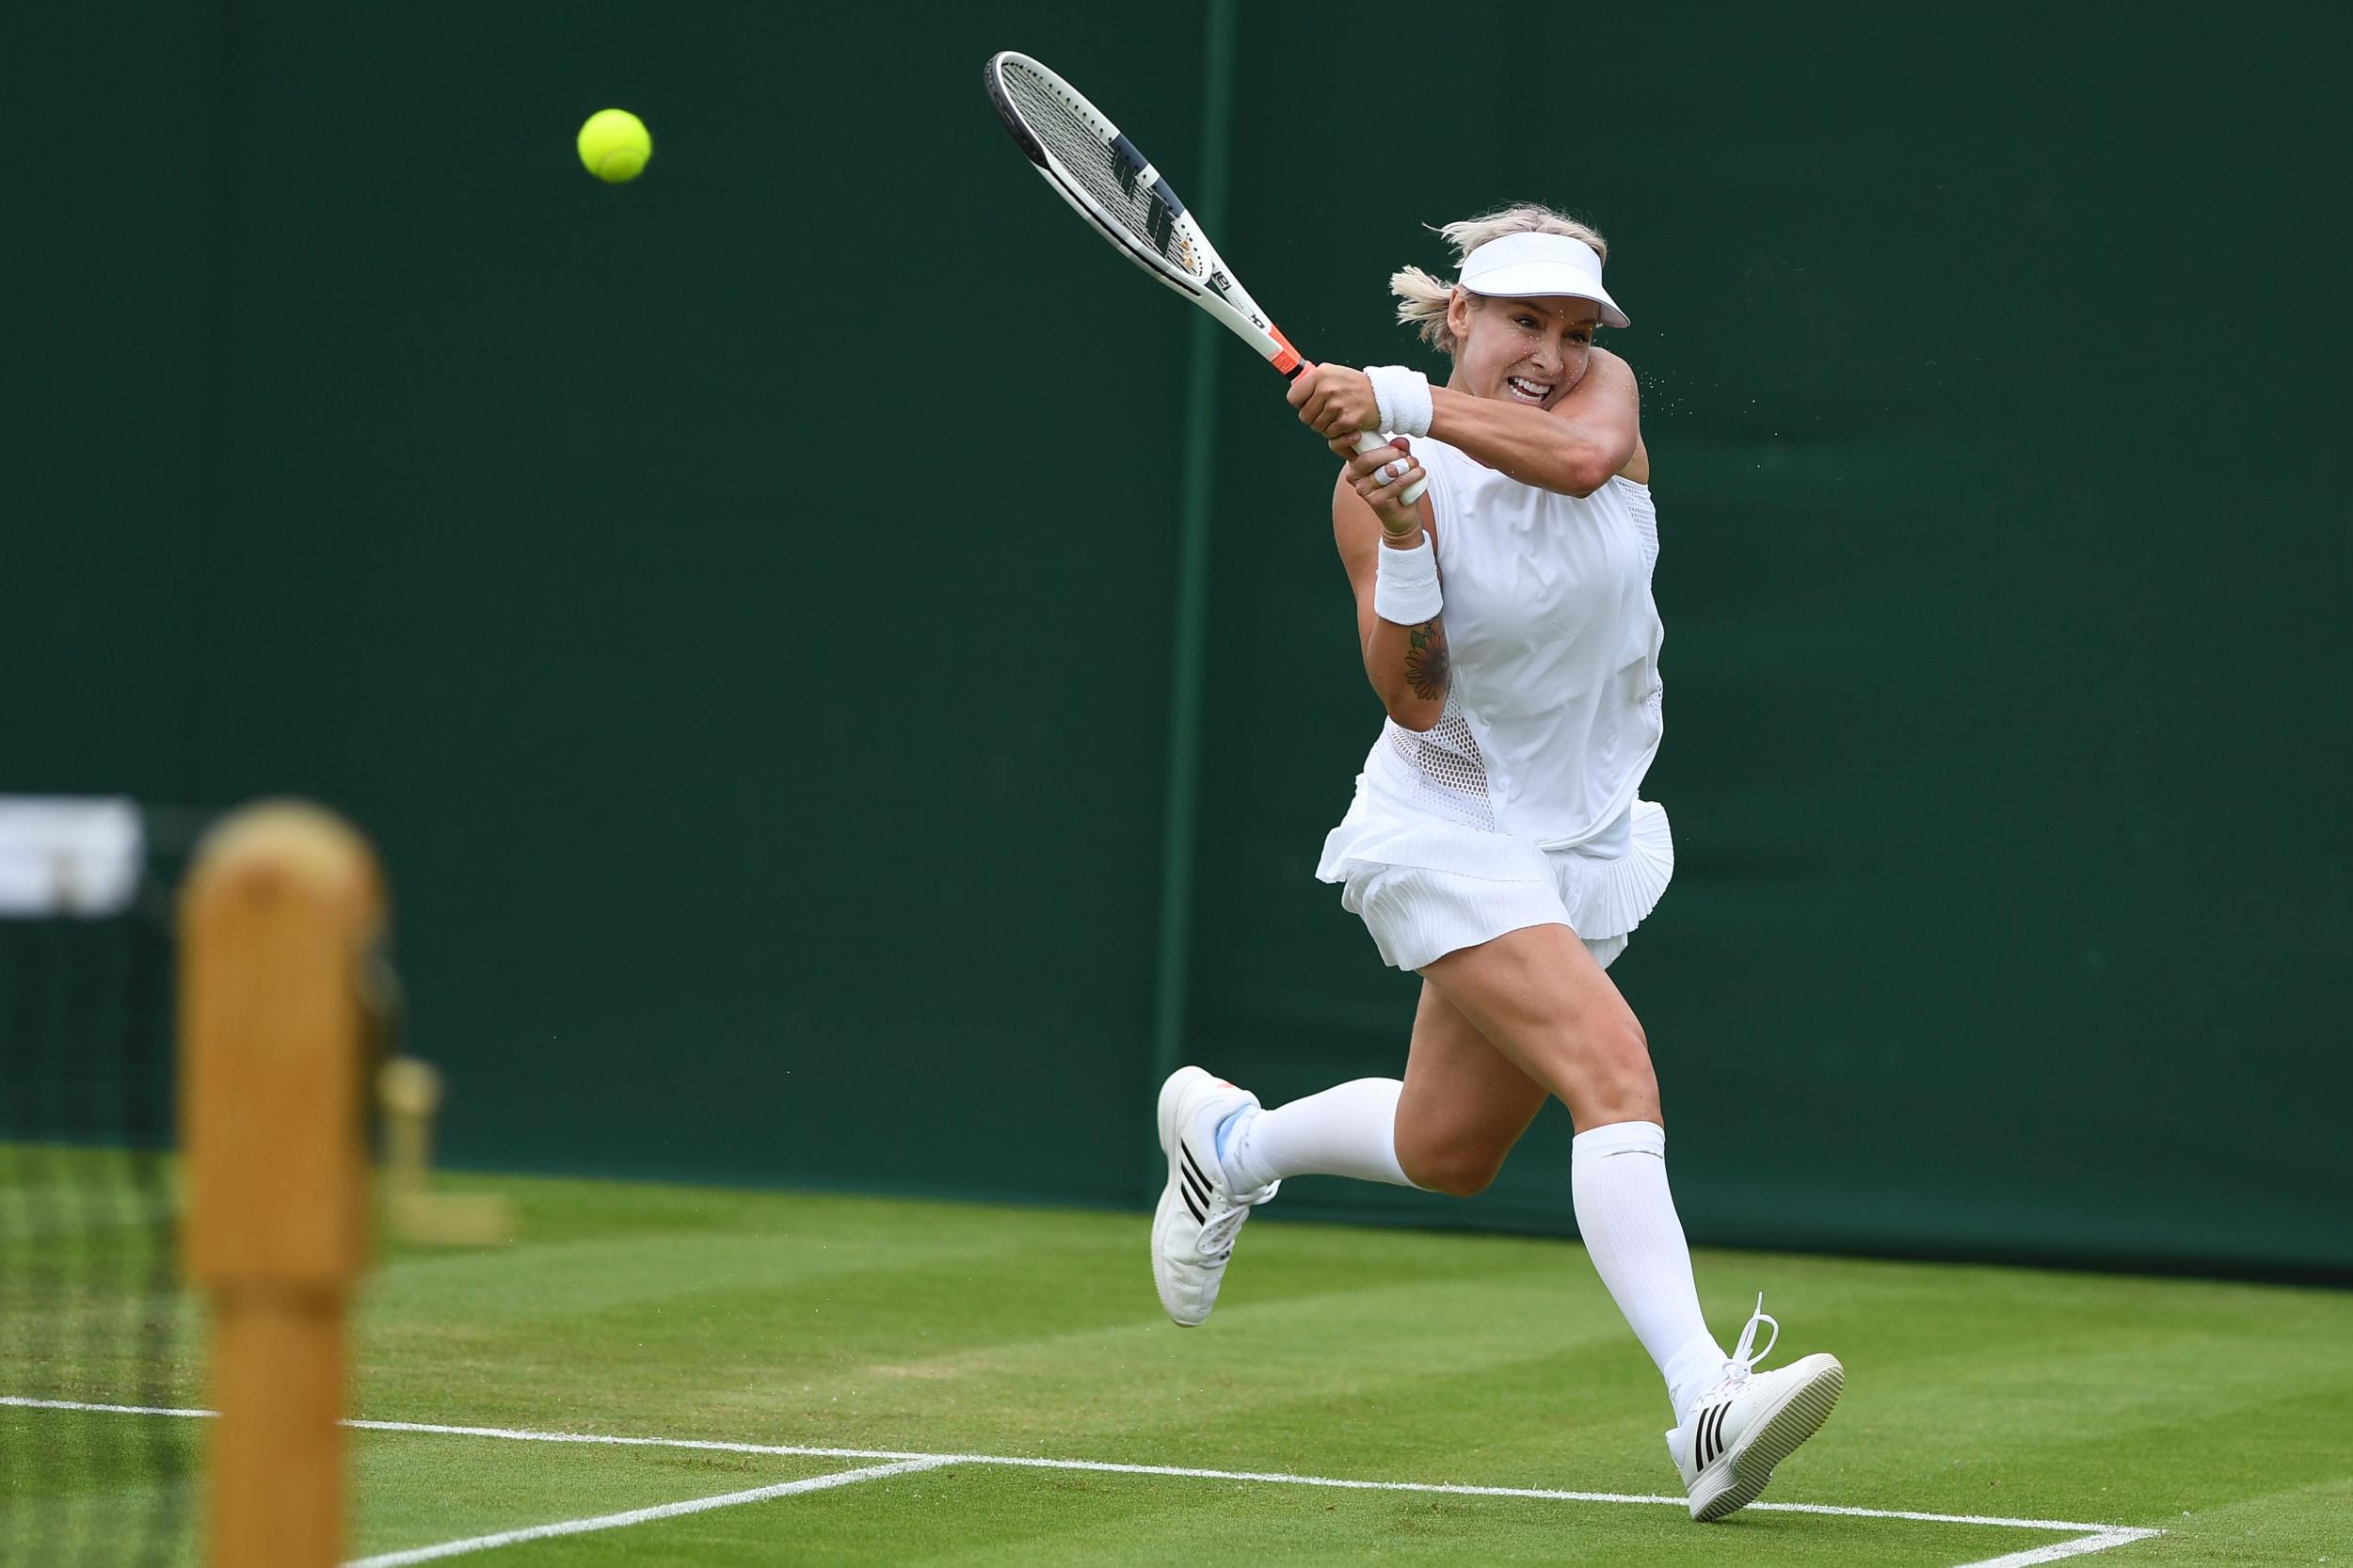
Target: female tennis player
1497,845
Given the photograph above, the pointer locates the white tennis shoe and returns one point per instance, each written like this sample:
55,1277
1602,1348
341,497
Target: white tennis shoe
1193,1230
1736,1432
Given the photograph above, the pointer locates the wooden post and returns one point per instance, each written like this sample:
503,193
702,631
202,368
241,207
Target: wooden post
411,1093
277,917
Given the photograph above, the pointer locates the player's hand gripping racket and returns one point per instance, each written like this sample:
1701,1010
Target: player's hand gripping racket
1115,188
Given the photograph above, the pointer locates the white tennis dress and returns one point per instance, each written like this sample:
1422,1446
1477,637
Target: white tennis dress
1520,806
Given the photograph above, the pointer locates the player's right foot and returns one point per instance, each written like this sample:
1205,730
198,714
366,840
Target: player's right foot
1736,1432
1193,1230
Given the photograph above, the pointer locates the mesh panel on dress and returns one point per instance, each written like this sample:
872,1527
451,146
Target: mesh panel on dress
1448,777
1646,513
1099,166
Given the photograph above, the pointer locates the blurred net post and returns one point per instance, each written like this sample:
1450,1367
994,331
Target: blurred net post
279,922
409,1092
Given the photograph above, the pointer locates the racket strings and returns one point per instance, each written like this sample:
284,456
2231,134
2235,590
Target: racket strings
1093,157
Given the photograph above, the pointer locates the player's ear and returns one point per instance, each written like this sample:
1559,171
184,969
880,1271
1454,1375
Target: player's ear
1459,306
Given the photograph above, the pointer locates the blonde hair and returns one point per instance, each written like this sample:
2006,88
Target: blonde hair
1421,299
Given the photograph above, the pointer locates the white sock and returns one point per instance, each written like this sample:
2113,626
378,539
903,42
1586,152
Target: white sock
1348,1130
1618,1174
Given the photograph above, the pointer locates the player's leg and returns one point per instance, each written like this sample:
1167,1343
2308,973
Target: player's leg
1444,1128
1464,1103
1537,996
1540,998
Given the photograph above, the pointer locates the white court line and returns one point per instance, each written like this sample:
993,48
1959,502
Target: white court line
641,1515
2095,1538
2053,1553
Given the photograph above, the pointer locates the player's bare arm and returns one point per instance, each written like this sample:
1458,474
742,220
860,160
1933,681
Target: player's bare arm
1587,430
1407,665
1572,447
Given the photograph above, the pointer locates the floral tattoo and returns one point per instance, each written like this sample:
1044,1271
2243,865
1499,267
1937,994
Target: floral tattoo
1427,664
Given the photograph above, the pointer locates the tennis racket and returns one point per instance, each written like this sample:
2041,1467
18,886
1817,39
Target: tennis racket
1083,156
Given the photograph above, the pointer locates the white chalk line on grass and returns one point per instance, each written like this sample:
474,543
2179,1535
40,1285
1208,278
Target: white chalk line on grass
2053,1553
642,1515
2094,1537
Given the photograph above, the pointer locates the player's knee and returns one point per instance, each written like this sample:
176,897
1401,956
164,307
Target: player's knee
1624,1052
1462,1171
1622,1087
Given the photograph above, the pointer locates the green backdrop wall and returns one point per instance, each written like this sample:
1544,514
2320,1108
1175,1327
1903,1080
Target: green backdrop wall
742,604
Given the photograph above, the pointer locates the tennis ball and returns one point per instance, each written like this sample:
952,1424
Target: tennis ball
615,144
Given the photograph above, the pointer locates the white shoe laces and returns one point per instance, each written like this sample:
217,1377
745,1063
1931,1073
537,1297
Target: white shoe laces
1217,1232
1744,1360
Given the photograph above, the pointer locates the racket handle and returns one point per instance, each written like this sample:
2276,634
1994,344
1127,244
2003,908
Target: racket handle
1366,441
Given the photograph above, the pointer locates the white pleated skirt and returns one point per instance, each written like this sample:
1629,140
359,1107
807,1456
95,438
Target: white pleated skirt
1426,887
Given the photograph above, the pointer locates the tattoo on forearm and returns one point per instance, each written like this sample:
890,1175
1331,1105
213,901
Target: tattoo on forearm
1426,663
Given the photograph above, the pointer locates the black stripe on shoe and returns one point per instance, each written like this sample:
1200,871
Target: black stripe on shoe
1193,1184
1703,1437
1191,1165
1189,1174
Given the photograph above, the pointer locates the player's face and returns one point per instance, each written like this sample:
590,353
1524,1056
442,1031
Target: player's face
1527,351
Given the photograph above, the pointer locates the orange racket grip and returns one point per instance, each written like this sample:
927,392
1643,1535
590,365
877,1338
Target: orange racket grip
1288,361
1294,367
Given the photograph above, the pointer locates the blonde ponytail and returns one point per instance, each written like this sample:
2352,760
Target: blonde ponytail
1421,302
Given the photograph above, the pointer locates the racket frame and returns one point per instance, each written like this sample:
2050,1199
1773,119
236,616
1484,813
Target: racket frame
1211,285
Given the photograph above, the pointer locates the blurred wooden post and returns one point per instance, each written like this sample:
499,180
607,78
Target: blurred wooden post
411,1093
277,917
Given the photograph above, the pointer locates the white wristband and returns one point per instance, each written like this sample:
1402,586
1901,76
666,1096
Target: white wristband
1403,398
1405,585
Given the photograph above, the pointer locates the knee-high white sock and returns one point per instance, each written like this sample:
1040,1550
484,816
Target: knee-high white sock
1350,1130
1618,1174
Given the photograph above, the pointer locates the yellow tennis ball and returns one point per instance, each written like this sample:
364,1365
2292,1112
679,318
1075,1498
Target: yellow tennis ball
615,144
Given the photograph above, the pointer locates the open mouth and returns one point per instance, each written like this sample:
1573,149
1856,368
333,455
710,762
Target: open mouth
1525,390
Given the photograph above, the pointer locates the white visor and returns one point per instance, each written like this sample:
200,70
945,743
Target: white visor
1540,266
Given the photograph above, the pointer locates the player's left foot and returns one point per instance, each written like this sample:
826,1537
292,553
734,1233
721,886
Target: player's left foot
1736,1432
1193,1231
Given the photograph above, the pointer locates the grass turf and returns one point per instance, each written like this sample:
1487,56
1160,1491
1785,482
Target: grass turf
2211,1410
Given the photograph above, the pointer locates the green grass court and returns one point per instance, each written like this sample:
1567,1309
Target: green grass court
897,1331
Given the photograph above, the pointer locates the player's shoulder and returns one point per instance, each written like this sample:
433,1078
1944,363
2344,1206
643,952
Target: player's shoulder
1608,383
1611,366
1611,376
